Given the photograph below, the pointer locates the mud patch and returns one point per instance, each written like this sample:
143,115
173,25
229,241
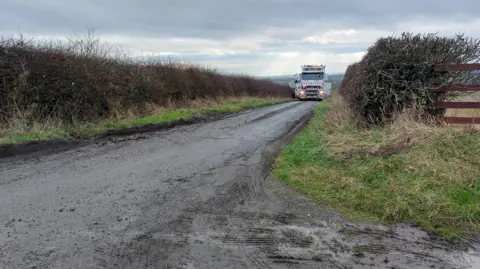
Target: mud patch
297,238
284,218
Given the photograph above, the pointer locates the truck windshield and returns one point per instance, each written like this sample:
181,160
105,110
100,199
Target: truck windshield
313,76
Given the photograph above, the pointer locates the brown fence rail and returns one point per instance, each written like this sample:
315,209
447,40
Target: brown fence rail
458,88
457,67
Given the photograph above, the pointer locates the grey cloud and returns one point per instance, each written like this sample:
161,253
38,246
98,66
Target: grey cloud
286,22
218,19
227,57
262,54
311,46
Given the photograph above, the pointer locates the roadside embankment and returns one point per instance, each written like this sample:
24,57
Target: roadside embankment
405,171
158,118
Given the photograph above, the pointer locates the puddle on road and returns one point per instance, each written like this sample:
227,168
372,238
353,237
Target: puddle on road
470,260
475,256
319,243
253,241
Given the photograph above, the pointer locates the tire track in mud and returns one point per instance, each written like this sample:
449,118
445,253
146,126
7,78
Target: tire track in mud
232,192
263,240
412,244
246,185
222,211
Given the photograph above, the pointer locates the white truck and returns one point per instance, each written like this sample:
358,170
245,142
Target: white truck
310,83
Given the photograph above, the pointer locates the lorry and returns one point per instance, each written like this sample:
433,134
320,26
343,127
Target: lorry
311,83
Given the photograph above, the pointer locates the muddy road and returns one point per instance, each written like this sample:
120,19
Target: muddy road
192,197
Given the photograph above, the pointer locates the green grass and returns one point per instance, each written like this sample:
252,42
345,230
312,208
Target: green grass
21,132
434,183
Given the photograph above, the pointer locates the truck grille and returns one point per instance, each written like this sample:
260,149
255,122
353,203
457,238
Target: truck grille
311,92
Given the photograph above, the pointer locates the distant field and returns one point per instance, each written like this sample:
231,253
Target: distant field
474,97
455,112
335,79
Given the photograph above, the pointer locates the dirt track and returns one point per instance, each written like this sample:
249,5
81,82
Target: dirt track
192,197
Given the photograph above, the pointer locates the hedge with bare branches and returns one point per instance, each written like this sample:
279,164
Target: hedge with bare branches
396,72
80,80
349,82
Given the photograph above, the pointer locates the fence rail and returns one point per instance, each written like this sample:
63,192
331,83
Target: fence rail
462,120
457,104
458,88
457,67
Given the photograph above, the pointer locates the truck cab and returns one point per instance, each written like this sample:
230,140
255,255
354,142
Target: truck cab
310,83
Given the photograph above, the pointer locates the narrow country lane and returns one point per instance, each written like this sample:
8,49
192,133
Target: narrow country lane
192,197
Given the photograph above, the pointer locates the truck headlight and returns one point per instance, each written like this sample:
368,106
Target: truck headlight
321,92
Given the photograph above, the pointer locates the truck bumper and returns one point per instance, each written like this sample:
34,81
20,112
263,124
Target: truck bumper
311,94
311,97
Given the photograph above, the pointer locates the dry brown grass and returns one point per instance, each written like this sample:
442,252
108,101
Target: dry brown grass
21,130
346,138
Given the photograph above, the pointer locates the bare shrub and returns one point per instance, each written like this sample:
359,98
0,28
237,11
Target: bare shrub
350,82
396,71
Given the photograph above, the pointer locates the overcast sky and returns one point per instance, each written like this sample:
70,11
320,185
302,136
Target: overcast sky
259,37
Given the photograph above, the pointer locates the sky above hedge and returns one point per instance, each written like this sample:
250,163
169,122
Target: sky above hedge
258,37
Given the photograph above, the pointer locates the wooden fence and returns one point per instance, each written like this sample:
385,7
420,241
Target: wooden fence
458,88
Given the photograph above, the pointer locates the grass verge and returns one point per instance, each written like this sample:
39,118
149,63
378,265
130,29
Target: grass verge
405,172
21,131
